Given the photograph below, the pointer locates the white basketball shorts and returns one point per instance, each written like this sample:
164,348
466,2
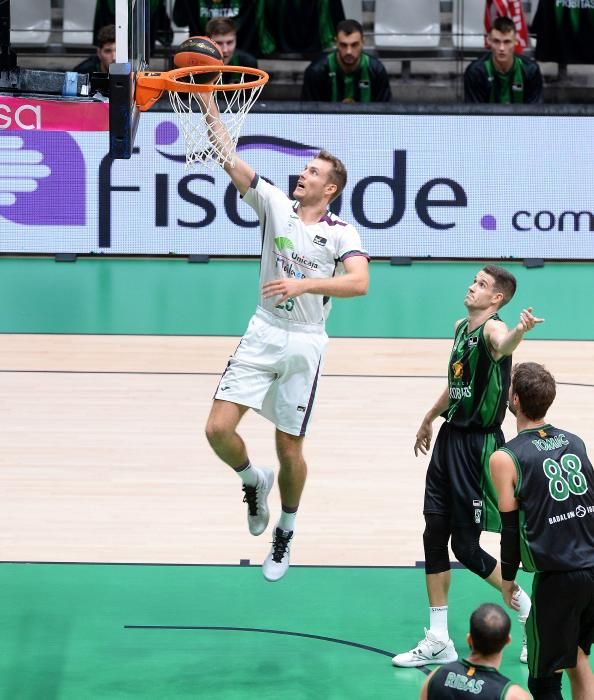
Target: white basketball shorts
275,370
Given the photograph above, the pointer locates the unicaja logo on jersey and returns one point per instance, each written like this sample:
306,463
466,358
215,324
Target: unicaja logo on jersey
311,264
283,243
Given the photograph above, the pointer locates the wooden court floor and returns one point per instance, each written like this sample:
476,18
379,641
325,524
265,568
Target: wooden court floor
104,458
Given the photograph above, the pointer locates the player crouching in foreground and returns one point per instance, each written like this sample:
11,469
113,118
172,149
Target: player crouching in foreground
479,673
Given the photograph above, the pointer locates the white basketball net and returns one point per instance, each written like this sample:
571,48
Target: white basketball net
193,115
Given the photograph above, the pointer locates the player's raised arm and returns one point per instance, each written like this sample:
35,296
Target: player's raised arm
503,340
241,174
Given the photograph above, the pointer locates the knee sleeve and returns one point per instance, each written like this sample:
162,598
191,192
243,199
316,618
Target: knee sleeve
546,688
435,543
467,550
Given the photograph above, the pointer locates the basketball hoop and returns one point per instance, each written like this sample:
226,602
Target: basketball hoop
197,104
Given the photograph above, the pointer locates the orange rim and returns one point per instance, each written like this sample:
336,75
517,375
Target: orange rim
150,85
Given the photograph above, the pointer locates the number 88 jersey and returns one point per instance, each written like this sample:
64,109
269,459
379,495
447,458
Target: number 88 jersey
555,491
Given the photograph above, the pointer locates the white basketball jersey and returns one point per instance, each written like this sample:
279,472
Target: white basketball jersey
291,248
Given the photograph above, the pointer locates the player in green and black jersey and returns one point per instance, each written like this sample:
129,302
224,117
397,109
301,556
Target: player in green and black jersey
459,497
347,74
478,674
501,76
545,486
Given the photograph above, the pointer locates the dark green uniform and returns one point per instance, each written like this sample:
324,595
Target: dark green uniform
458,480
461,679
478,384
522,84
555,492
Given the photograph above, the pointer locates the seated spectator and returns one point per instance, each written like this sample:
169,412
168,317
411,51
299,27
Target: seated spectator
249,17
513,10
222,31
160,24
304,26
105,54
347,74
500,76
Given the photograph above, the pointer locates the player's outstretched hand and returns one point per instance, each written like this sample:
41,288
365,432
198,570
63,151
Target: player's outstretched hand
528,320
423,441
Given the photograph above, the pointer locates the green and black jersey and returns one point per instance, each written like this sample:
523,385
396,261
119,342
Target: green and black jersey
478,385
521,84
461,679
555,491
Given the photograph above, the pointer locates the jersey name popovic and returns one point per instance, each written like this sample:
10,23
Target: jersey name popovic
291,249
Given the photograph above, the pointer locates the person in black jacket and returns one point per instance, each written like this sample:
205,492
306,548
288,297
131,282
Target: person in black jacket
106,53
347,74
500,76
478,674
545,486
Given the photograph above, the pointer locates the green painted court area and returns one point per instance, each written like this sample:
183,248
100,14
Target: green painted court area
86,631
173,297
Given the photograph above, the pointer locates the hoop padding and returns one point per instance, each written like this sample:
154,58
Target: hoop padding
199,104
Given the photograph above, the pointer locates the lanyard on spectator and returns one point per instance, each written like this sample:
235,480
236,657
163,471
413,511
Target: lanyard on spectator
349,80
517,81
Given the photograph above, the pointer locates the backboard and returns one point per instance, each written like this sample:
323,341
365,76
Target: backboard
132,56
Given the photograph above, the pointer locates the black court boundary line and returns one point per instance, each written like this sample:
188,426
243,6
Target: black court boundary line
241,565
218,374
304,635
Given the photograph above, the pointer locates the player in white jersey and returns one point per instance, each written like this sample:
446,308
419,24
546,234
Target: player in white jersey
276,366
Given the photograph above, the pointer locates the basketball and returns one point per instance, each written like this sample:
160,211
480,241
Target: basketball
199,51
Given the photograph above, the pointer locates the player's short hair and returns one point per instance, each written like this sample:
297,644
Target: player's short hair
349,26
220,25
535,387
504,25
489,628
338,173
106,35
505,282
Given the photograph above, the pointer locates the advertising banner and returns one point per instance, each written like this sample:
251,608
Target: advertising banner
418,185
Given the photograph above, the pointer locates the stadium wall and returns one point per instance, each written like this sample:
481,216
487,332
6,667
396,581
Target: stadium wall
174,297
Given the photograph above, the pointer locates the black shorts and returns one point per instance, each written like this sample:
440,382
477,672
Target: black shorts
458,482
560,620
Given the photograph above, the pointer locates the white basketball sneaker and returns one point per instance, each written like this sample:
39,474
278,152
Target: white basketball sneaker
524,650
276,564
428,651
256,498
